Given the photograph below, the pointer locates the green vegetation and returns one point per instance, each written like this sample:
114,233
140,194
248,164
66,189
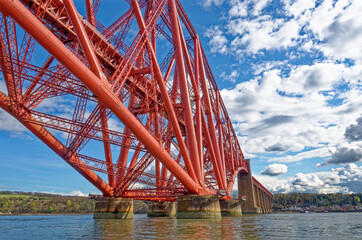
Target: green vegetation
38,203
314,200
44,203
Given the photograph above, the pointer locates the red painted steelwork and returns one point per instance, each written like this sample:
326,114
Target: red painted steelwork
174,138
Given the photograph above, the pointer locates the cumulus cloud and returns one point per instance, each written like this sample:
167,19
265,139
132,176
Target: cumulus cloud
344,155
277,147
304,89
238,8
3,86
337,25
331,27
319,152
218,42
262,33
275,169
346,179
232,77
76,193
242,8
209,3
298,7
354,131
9,123
295,105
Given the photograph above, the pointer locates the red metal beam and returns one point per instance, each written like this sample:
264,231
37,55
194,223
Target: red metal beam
165,96
58,148
53,45
184,91
261,187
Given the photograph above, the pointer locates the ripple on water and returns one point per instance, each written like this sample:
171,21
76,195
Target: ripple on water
270,226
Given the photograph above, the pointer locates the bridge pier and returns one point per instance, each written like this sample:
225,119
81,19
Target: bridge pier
230,208
198,207
113,208
263,203
161,209
246,188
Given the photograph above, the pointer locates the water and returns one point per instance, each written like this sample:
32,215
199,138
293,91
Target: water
269,226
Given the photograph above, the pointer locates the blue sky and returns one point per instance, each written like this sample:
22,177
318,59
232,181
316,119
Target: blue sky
290,75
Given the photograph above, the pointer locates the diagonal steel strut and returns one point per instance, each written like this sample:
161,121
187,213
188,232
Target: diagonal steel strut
101,89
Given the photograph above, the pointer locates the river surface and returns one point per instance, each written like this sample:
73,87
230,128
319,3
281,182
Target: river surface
268,226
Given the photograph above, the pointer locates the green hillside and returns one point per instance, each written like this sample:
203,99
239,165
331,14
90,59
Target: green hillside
41,203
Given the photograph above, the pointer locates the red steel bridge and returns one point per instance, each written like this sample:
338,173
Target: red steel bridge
137,113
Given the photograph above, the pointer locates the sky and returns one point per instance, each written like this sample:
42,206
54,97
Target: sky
289,72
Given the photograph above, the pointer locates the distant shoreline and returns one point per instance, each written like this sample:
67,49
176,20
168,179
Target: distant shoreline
42,214
331,211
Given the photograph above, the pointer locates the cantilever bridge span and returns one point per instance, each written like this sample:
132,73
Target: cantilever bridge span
133,106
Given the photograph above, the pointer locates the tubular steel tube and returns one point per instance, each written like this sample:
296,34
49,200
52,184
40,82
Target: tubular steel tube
184,91
107,147
82,37
90,12
231,145
96,68
165,96
212,155
59,149
210,119
101,89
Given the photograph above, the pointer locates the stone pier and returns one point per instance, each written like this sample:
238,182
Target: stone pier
113,208
246,188
198,207
161,209
230,208
258,198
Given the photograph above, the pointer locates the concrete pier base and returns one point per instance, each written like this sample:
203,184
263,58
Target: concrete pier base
255,210
113,208
246,188
198,207
230,208
161,209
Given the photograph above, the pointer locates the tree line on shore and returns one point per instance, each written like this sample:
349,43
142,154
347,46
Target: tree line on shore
306,200
41,203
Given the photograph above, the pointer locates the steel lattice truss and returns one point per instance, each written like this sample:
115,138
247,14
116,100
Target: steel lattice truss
146,101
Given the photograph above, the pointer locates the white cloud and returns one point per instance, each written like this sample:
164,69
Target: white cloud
262,33
3,86
319,152
218,41
238,8
76,193
275,169
332,27
259,6
232,77
277,147
344,155
296,8
318,77
9,123
295,105
354,131
345,179
209,3
338,25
